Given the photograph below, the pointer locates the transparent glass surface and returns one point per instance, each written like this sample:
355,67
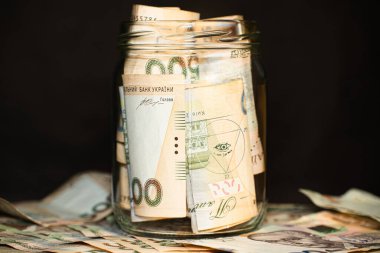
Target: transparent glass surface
190,129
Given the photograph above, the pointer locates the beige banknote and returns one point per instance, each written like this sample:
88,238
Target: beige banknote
218,157
221,65
292,239
156,138
76,248
354,201
165,61
83,198
281,213
124,189
109,246
153,63
133,243
144,13
166,245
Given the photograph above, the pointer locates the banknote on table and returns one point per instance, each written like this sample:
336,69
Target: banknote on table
90,231
354,201
75,248
332,227
51,235
84,198
17,223
218,157
133,243
316,232
25,243
6,249
166,245
109,246
289,239
281,213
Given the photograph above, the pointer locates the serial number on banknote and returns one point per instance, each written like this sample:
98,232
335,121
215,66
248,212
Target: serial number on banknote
142,18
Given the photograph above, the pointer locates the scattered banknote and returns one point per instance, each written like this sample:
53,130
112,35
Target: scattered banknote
187,145
354,201
85,197
283,213
75,248
293,239
316,232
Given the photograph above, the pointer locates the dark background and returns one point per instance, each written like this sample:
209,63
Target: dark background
57,60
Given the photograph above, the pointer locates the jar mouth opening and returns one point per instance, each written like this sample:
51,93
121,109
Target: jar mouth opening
184,34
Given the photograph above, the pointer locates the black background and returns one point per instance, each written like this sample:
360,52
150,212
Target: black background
57,60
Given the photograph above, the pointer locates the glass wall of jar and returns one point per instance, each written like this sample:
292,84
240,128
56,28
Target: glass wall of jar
190,124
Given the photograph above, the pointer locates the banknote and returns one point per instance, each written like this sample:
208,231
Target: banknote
120,131
290,239
75,248
332,227
25,243
109,246
7,249
281,213
120,153
219,66
17,223
124,191
133,243
156,139
166,245
145,29
162,64
92,230
218,157
51,236
83,198
144,13
354,201
331,224
165,62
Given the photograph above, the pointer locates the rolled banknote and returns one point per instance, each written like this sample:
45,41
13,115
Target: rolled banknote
156,137
218,157
218,66
153,63
165,62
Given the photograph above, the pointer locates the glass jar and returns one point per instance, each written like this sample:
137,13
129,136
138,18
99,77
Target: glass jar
190,124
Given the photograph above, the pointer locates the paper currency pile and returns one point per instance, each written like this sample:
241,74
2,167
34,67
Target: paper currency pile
76,218
188,142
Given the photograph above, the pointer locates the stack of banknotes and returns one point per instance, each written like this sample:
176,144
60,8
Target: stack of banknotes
77,218
188,143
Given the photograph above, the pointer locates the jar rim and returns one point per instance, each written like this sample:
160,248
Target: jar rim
187,34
